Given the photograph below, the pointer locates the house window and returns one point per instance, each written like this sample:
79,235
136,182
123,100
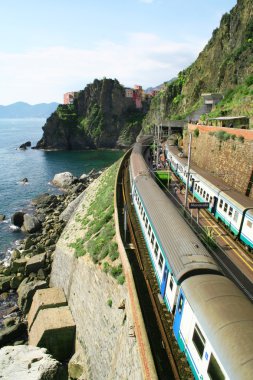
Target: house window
160,262
198,341
156,249
230,211
213,370
221,203
225,207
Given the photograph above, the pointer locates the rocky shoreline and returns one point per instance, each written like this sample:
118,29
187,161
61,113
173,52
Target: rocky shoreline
30,264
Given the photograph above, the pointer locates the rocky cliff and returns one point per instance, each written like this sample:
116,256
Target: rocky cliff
100,117
224,66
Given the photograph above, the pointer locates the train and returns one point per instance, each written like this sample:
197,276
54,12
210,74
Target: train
212,318
227,205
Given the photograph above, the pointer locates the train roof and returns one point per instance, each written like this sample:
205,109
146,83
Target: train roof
216,183
184,251
226,317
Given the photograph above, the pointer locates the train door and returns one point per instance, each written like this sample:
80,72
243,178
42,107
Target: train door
178,315
164,280
214,205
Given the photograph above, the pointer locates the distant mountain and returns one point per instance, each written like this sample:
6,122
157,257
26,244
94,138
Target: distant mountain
21,110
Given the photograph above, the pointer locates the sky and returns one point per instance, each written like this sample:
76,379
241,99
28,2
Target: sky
50,47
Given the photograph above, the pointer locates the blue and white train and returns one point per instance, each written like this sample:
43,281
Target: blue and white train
213,320
232,208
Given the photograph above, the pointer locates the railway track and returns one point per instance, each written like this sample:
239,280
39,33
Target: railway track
169,361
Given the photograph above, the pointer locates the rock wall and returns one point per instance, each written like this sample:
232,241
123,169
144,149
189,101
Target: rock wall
230,160
104,331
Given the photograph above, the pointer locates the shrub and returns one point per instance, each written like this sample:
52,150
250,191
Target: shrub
78,245
196,132
109,302
241,139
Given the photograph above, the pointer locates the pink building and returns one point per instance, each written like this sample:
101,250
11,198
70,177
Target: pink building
69,97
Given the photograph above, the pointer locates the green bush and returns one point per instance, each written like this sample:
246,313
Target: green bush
196,132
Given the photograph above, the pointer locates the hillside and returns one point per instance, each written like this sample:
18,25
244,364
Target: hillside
101,117
224,66
22,110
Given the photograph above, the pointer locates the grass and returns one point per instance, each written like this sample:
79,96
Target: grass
99,229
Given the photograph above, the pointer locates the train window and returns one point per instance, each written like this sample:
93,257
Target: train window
210,200
236,216
207,196
198,341
160,262
225,207
146,222
249,223
196,186
144,215
152,239
180,303
156,249
171,282
204,194
198,189
221,203
141,210
213,370
201,191
149,230
230,211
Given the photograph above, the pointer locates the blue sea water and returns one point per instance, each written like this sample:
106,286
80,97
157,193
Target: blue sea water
36,165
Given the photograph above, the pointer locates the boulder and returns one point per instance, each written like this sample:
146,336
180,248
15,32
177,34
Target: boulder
31,224
63,180
2,217
13,333
35,263
25,145
18,218
66,214
5,283
28,363
18,265
26,291
54,328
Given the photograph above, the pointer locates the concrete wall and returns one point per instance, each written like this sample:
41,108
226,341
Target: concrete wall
230,160
105,333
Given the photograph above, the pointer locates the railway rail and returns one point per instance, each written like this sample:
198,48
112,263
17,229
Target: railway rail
169,361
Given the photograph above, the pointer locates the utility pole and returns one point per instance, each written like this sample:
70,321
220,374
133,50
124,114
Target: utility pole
188,172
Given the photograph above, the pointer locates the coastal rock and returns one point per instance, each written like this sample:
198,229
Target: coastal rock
35,263
2,217
25,145
12,333
18,265
63,180
28,363
18,218
31,223
26,291
4,283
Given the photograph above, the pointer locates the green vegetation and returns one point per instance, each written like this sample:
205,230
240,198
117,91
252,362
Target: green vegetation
67,113
225,136
208,236
98,239
109,302
196,132
93,123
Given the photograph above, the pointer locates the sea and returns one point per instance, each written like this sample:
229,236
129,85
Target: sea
39,167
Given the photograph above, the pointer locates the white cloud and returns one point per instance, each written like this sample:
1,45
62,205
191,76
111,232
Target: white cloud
43,75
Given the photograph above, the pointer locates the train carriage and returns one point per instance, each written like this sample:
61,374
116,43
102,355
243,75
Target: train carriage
232,208
214,327
175,255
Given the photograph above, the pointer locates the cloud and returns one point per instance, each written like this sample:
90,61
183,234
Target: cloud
147,1
43,75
